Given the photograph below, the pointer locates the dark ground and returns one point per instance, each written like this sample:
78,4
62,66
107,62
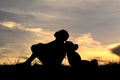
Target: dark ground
40,72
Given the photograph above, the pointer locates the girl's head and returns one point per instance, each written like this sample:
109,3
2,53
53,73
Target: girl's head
61,35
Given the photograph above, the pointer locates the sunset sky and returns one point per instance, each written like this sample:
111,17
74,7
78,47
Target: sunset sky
93,24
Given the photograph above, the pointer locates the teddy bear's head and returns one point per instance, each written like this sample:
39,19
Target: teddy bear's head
70,46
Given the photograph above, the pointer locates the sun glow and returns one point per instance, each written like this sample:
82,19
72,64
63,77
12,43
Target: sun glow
92,49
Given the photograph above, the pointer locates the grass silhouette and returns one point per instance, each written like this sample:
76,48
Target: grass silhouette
20,71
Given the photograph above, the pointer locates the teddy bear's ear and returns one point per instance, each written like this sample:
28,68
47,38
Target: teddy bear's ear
76,47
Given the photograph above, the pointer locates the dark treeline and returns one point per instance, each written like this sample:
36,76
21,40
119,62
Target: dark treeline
40,72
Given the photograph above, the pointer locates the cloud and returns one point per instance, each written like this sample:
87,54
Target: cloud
10,24
33,29
17,26
89,49
44,5
76,3
116,50
14,25
16,39
19,18
85,16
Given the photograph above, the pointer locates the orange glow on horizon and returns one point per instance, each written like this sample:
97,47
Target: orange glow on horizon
88,47
92,49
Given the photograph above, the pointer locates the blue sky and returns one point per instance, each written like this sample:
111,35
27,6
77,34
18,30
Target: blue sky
25,22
